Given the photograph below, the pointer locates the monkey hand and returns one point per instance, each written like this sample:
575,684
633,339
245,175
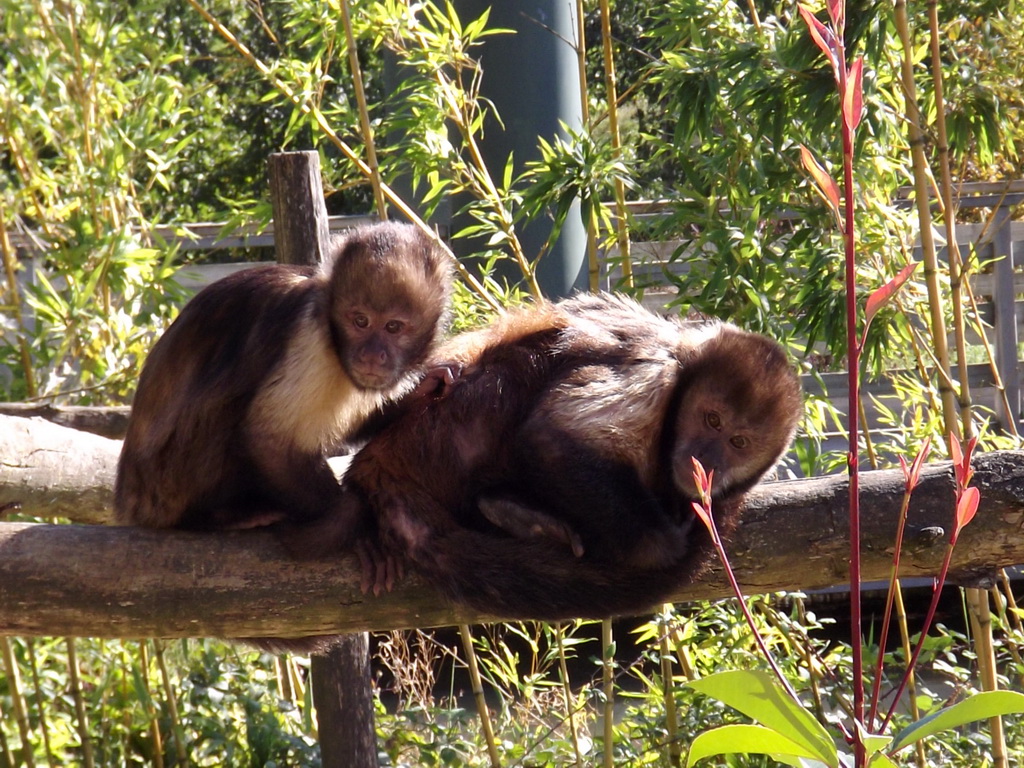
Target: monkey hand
438,379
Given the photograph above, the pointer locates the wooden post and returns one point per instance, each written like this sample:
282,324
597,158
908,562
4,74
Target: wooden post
1004,301
301,230
342,693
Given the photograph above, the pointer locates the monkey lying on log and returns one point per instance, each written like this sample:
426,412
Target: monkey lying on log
553,478
267,369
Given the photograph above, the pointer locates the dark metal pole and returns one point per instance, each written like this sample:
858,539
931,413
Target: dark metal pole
531,78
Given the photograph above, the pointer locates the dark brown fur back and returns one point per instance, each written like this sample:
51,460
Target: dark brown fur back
565,409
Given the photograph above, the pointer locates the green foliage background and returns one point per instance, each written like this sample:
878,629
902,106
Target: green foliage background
118,117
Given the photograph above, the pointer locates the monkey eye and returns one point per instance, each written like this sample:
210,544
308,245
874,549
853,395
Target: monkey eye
393,326
360,321
739,441
713,420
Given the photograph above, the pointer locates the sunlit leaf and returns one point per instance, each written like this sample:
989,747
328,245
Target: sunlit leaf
966,508
962,460
980,706
914,475
704,515
879,760
757,695
702,479
744,739
853,99
823,38
881,296
955,452
873,742
821,177
837,12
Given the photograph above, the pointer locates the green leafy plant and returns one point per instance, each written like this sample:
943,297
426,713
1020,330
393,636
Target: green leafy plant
786,729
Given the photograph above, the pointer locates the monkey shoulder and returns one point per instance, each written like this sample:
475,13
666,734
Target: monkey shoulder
210,362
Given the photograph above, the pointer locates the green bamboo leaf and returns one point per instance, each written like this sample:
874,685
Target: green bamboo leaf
746,739
757,695
980,706
506,178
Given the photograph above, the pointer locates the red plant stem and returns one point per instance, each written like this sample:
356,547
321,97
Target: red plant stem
853,351
876,685
929,617
743,606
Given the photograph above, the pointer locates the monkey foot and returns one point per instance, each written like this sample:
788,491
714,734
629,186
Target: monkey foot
380,570
527,522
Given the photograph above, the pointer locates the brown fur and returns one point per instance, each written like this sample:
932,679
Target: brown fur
267,369
552,480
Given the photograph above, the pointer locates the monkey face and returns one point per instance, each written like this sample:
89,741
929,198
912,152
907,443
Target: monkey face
388,299
378,346
717,435
738,415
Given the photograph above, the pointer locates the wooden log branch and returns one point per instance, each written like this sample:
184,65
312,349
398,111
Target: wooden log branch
125,582
107,421
54,471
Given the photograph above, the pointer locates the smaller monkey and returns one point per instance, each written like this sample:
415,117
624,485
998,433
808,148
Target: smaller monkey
266,370
553,479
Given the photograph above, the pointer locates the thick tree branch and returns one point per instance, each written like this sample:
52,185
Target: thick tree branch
126,582
53,471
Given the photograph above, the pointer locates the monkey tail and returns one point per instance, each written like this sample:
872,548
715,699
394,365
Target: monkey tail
516,578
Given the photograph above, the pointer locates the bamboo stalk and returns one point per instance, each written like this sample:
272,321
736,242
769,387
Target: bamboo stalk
1012,644
5,749
82,722
593,266
956,270
752,7
570,708
675,752
608,686
364,113
284,678
813,675
172,705
621,220
981,622
151,714
30,648
865,431
921,187
683,655
997,379
7,252
18,701
480,176
478,695
1011,601
977,599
